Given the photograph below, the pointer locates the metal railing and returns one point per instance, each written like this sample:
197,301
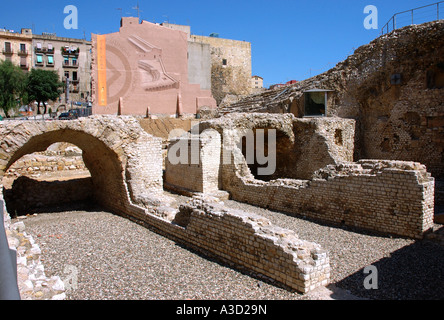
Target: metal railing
8,265
414,16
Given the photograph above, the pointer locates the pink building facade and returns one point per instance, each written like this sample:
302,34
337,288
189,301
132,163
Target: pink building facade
144,67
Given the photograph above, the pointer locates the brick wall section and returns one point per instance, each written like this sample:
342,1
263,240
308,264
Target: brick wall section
250,240
199,177
186,174
388,197
41,163
243,240
143,173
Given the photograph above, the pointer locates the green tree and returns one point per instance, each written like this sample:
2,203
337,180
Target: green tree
42,86
12,85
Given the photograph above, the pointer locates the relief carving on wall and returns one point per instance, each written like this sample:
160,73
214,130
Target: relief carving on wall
153,76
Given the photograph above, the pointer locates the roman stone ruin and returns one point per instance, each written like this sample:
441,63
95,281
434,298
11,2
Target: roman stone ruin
125,164
314,174
368,159
392,87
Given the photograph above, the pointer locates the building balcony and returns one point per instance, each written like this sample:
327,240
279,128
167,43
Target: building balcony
68,64
69,52
22,52
8,51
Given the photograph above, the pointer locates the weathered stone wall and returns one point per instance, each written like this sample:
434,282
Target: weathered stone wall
198,170
390,197
302,145
125,165
230,66
27,194
40,163
199,64
387,197
125,162
243,240
167,127
394,120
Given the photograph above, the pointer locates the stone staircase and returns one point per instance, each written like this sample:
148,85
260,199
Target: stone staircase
260,102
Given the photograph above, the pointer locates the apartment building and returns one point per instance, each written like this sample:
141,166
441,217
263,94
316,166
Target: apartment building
257,84
71,58
16,47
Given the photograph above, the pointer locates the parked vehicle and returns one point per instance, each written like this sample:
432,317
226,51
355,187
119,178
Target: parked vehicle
75,113
65,116
81,112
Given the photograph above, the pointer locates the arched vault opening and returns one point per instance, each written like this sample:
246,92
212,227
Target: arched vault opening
50,181
124,161
104,165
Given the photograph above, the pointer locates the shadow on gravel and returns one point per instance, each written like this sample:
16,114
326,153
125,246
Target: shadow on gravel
415,272
87,205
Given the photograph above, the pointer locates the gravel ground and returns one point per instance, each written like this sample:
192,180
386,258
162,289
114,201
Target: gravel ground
110,257
406,269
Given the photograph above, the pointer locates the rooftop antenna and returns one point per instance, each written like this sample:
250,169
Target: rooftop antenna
121,14
137,8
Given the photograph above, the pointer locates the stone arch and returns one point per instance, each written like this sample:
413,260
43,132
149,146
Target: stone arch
102,162
282,151
115,150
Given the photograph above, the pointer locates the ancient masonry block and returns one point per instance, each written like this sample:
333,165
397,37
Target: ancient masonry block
200,160
388,197
124,161
126,176
243,240
251,241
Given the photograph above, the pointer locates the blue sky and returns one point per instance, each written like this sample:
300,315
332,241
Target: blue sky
290,39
